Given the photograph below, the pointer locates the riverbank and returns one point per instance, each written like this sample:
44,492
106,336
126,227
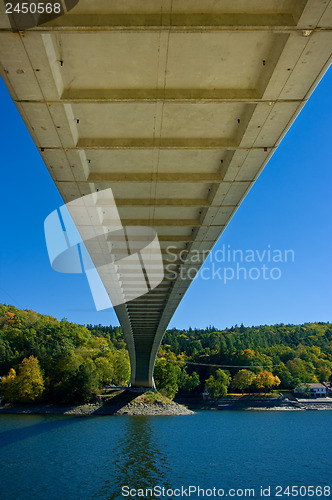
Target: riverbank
121,403
254,402
153,404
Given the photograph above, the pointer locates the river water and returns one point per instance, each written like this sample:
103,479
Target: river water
62,458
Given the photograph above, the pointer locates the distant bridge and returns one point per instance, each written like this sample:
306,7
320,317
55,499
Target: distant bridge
175,105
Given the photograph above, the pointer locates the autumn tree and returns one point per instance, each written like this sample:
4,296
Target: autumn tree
266,380
8,386
27,385
243,379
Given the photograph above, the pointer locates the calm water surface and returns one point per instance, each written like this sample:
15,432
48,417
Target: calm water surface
55,457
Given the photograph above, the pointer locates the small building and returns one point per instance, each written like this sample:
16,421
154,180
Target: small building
311,390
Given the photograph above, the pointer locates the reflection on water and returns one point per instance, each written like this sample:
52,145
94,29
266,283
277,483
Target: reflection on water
75,458
139,462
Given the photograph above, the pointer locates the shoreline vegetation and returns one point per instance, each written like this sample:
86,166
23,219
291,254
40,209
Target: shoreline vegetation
44,361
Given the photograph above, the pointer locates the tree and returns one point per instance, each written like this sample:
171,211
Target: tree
86,381
121,368
167,376
67,365
8,386
79,386
30,379
299,369
105,370
217,386
324,373
265,380
243,379
187,383
25,387
287,381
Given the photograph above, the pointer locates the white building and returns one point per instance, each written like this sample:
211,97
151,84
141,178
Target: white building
311,390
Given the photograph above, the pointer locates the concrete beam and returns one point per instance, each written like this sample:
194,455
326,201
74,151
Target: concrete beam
176,21
159,222
164,143
154,177
162,202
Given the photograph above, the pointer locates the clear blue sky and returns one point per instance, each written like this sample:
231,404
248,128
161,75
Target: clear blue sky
289,207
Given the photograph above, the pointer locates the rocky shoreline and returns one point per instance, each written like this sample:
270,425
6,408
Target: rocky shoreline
135,407
126,403
157,408
97,409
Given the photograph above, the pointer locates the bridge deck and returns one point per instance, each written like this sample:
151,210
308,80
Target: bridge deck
177,106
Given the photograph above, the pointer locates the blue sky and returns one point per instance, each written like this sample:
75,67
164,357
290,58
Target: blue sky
288,208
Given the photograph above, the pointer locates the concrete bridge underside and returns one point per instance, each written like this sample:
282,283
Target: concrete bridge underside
175,105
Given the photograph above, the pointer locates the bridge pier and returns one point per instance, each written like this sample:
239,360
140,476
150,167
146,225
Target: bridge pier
142,364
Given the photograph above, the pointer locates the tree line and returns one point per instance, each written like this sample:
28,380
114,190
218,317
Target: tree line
60,361
44,359
253,358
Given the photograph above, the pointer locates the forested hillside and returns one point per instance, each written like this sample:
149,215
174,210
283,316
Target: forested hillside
72,361
42,358
293,353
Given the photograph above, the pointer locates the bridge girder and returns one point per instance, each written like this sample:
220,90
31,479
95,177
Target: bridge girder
178,111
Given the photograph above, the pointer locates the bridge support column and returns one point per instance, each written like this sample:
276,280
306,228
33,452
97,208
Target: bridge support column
142,364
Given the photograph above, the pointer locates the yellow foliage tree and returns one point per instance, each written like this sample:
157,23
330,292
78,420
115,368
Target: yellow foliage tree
8,386
243,379
25,387
248,354
265,380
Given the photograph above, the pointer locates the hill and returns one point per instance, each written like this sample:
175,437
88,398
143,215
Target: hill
74,361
